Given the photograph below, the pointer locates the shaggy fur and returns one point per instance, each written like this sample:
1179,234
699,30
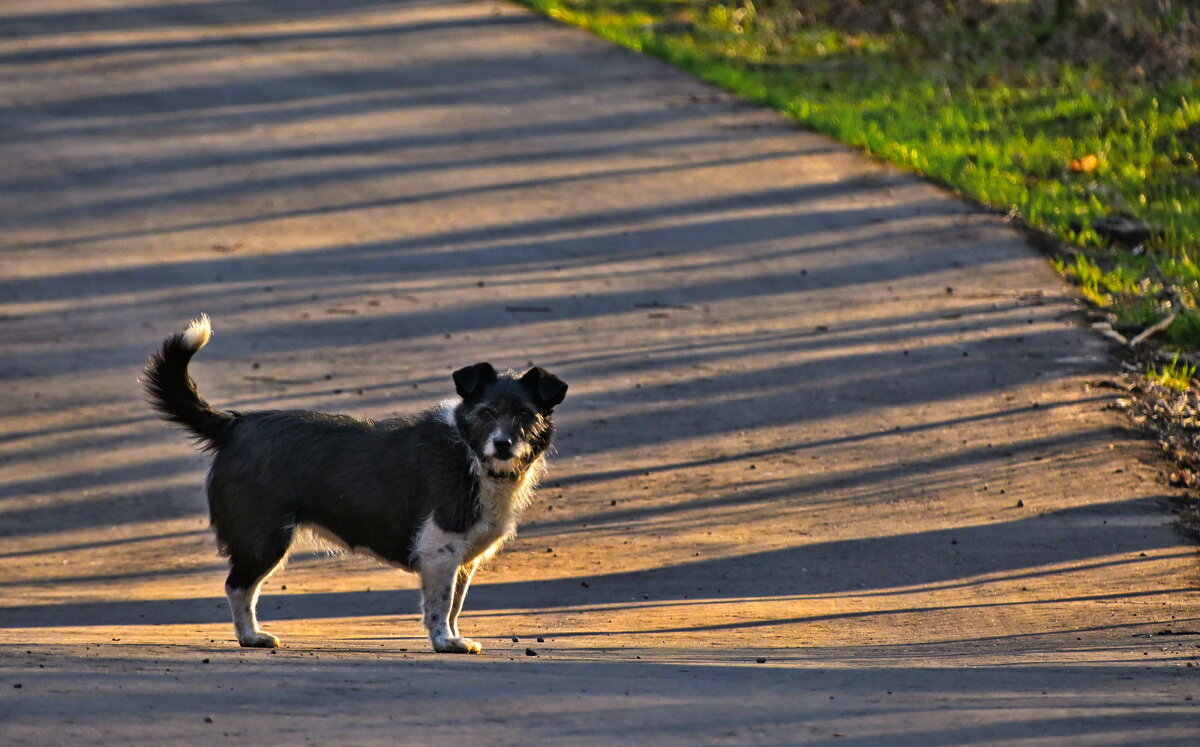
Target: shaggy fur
434,493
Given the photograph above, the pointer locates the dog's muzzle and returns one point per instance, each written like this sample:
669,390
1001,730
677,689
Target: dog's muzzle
502,449
503,469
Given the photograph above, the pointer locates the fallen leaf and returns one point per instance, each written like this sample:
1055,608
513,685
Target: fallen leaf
1087,164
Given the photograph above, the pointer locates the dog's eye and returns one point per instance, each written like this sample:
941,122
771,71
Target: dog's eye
486,413
525,414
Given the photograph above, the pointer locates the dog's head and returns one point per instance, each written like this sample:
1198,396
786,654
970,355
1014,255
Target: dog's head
505,418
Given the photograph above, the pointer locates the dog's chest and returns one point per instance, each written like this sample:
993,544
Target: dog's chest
500,503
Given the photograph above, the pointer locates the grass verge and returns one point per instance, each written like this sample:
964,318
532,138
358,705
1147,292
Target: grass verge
1070,114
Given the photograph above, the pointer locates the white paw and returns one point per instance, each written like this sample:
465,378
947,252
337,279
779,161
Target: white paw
259,639
456,646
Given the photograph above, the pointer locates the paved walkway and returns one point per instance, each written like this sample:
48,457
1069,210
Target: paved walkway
821,413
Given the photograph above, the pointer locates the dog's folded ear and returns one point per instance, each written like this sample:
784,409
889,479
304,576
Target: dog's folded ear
471,380
547,389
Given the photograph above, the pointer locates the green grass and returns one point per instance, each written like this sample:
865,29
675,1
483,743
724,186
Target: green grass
1015,111
1174,375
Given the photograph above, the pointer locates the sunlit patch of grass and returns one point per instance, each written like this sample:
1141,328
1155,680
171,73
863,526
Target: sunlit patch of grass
1174,375
1060,142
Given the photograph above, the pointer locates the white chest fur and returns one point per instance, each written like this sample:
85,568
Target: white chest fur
500,504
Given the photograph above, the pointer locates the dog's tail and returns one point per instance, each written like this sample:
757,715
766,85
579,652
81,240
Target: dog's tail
173,392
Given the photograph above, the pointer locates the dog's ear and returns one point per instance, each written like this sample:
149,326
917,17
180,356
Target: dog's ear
547,389
471,380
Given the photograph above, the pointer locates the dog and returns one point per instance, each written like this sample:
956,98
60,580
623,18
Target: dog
435,493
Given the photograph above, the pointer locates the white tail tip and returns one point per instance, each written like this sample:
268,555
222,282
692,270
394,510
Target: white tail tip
198,332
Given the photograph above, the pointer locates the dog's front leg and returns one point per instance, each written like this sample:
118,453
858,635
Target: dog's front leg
440,556
438,581
462,583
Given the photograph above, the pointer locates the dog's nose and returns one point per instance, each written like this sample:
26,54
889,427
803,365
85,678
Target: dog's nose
503,447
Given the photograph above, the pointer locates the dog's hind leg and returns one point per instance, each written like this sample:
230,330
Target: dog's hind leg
462,583
246,574
242,590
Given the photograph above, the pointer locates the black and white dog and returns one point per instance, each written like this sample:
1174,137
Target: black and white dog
435,493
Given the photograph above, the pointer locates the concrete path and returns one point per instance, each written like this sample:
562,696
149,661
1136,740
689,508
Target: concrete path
821,414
